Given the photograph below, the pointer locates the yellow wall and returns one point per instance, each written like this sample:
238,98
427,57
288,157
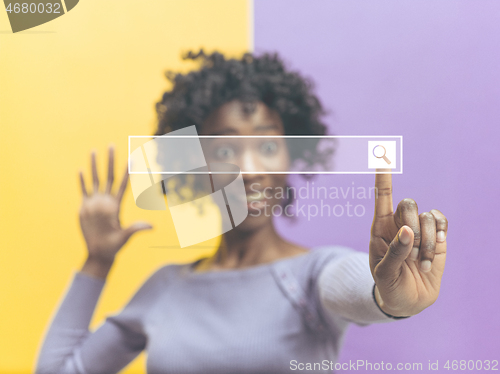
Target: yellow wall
81,82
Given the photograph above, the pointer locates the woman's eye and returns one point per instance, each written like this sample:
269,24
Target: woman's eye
269,148
224,153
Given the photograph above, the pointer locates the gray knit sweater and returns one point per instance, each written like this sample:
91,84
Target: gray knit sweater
269,318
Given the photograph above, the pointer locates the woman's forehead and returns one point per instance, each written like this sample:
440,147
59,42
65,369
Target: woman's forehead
235,118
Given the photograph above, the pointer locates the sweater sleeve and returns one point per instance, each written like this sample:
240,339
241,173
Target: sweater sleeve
70,348
345,289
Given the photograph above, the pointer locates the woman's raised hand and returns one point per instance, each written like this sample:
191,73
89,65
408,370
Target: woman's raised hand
99,215
407,252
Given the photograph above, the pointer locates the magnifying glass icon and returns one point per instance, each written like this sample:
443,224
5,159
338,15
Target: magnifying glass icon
379,152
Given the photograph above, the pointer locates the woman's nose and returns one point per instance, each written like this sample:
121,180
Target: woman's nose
250,162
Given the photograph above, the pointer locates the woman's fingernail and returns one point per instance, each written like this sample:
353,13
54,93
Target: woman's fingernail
404,237
441,236
425,266
414,254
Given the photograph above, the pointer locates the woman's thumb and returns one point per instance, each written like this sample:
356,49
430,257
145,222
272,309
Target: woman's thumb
137,226
398,251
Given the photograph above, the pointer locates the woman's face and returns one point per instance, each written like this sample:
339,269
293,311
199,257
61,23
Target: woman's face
251,155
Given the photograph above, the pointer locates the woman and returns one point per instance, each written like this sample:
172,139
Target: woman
260,304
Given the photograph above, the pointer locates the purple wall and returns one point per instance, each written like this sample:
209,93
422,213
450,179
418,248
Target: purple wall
430,71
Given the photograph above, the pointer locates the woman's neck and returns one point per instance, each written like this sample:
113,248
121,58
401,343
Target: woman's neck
245,249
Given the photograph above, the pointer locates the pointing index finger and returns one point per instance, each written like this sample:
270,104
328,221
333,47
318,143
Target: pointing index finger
383,192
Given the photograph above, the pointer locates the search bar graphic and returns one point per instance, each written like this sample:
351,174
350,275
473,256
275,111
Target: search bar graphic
165,171
379,151
185,152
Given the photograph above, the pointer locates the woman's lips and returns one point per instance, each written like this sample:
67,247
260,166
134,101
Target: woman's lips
255,201
255,197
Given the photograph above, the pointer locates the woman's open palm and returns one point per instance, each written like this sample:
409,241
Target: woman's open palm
99,214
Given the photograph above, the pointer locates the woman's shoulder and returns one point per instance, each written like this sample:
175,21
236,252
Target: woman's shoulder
331,250
320,255
158,278
150,289
309,265
164,273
